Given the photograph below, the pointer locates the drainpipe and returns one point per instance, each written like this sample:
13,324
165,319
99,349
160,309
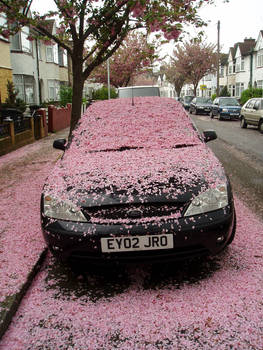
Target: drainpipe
251,69
38,77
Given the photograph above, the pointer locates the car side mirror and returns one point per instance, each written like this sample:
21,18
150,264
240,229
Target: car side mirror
209,135
60,144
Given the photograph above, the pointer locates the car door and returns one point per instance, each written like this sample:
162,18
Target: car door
249,111
256,113
215,106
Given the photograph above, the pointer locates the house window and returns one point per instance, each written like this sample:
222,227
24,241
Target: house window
221,71
62,57
238,64
3,23
260,84
260,59
53,90
39,51
52,53
239,89
49,54
230,69
242,63
20,42
25,84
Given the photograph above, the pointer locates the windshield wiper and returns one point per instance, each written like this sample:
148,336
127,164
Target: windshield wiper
121,149
185,145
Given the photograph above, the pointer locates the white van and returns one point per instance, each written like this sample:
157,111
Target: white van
133,91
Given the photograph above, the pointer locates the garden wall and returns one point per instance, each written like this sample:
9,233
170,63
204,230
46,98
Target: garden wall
58,118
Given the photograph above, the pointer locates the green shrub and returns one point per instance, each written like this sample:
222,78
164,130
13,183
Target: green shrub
65,95
213,97
102,93
249,93
12,101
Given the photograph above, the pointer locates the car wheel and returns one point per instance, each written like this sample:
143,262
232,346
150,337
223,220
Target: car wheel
260,126
233,233
190,111
243,123
211,115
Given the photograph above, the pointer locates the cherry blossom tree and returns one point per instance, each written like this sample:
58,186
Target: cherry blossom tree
194,60
91,31
174,76
133,57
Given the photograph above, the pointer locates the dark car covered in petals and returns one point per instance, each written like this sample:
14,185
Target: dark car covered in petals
137,182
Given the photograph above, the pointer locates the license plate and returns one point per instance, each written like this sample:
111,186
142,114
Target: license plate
135,243
234,114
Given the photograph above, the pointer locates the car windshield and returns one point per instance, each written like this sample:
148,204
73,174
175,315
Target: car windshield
203,100
152,122
188,98
229,102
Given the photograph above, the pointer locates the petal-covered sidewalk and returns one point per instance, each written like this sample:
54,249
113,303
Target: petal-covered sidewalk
22,174
222,310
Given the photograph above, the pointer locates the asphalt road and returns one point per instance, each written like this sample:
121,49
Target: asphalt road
241,153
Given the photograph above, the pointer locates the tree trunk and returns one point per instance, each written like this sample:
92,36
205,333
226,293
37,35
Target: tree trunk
78,83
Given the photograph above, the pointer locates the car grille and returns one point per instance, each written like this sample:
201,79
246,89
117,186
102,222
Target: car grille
133,213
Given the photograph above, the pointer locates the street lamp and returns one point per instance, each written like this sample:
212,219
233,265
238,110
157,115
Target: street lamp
108,74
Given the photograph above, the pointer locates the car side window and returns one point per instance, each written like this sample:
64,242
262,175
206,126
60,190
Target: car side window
256,105
250,104
194,100
216,101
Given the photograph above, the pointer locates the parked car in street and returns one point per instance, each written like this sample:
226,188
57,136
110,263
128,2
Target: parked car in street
200,105
137,183
225,108
186,100
252,114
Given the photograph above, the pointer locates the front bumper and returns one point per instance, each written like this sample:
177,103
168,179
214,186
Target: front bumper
192,236
230,115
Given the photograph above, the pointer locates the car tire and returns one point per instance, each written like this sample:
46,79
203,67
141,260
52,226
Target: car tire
260,126
243,123
220,117
190,111
211,115
233,233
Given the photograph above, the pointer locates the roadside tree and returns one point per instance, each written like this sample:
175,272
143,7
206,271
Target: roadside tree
174,76
91,31
194,60
133,57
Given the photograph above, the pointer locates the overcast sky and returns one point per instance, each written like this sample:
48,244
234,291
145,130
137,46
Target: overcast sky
239,19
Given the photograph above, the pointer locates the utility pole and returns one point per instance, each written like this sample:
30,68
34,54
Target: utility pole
108,74
218,58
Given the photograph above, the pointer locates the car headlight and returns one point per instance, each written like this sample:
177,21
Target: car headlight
63,210
211,199
224,110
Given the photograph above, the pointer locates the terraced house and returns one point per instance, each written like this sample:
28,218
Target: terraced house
38,69
240,68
